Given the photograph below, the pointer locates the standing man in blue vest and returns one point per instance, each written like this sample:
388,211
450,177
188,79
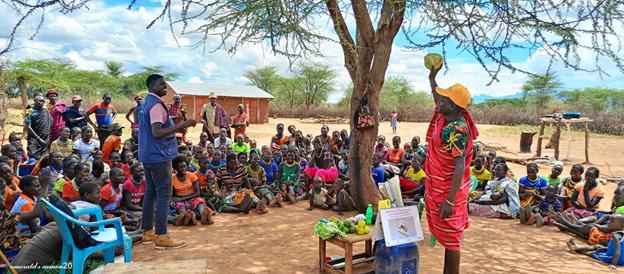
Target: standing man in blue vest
157,147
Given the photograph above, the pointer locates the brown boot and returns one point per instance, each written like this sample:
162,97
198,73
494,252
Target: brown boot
181,219
262,207
206,218
148,237
165,242
193,218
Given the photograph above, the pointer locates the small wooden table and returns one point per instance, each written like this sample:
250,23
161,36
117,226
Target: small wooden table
348,260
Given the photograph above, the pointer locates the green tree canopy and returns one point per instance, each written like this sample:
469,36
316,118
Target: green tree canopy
317,82
594,99
40,75
114,68
538,89
265,78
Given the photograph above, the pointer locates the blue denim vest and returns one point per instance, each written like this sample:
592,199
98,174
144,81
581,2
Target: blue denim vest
153,150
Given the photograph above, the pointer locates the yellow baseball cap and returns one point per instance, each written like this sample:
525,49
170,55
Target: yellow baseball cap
457,93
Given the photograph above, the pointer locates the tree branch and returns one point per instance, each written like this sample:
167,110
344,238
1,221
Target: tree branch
344,36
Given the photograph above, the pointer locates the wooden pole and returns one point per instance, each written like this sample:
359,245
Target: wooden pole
539,139
586,142
557,139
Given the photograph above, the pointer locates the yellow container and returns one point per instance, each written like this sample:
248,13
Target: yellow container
383,204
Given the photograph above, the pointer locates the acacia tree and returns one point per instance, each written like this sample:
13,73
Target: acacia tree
539,88
316,81
487,30
288,90
264,78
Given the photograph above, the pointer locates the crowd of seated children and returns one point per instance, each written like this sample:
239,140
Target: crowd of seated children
236,177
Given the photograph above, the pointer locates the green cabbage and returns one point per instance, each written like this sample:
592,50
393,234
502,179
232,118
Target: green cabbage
327,230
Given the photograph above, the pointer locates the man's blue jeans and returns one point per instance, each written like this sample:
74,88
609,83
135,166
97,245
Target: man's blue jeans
158,193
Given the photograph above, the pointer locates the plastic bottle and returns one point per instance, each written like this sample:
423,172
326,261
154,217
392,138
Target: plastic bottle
369,214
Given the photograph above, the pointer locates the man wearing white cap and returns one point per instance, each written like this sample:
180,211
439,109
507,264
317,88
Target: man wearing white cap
214,118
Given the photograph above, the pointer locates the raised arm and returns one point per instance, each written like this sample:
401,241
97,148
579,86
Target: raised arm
432,82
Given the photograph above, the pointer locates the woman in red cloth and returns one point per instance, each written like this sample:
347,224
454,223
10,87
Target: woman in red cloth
450,137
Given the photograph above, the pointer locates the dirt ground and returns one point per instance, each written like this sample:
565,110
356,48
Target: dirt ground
283,242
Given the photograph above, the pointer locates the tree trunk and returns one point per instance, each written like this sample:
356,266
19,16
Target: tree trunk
363,188
21,84
526,140
366,59
3,113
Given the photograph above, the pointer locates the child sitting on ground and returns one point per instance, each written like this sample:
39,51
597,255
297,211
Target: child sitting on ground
377,169
289,178
548,204
69,164
69,192
343,165
63,144
344,200
90,196
198,152
553,179
594,233
566,188
208,186
242,158
54,171
500,198
270,168
133,191
111,200
587,195
611,254
319,195
26,202
408,156
380,146
413,181
531,186
257,179
253,146
240,146
480,172
115,162
187,195
395,154
216,163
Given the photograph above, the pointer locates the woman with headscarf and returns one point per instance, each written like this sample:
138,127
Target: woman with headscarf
56,108
450,136
38,124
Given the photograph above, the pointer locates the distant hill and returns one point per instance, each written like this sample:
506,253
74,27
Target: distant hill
478,99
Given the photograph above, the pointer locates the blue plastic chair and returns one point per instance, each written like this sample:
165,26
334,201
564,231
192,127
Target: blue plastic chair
108,238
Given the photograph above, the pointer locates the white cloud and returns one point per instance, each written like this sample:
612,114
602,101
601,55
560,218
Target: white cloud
102,33
195,79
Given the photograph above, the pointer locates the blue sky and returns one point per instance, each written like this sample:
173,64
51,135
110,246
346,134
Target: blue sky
109,31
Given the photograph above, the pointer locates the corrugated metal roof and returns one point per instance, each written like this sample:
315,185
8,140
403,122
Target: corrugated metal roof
224,90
